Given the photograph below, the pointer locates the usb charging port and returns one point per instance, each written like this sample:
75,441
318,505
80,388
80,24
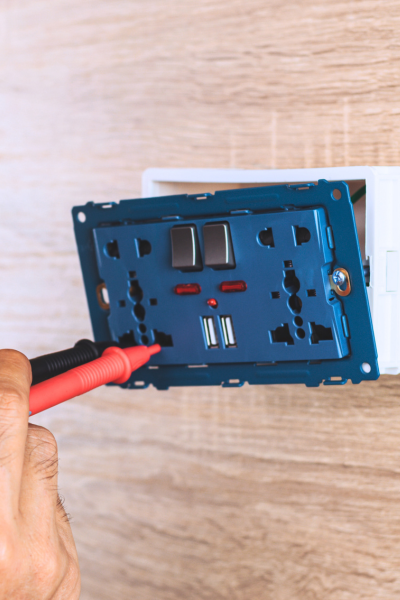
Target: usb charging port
228,332
210,332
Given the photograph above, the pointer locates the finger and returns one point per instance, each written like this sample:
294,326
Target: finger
64,527
38,497
41,507
15,380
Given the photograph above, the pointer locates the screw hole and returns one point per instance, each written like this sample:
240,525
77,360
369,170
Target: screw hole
81,217
336,194
366,368
102,296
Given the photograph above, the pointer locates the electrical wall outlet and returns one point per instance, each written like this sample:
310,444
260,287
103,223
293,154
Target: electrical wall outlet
378,224
264,285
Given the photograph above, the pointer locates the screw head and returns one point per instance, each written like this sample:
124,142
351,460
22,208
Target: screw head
338,278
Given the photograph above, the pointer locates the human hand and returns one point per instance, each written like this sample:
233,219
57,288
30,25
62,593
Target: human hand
38,559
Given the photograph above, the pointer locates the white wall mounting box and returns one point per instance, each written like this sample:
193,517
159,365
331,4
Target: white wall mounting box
377,218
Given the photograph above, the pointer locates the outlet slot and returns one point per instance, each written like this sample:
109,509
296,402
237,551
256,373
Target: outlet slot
127,339
281,335
143,247
228,332
266,238
319,333
301,235
163,339
135,291
295,304
210,332
139,312
111,249
291,283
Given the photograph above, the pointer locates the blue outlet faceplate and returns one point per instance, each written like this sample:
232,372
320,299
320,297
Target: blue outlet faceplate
289,325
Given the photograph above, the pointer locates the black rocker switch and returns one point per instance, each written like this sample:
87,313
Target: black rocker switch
185,248
218,250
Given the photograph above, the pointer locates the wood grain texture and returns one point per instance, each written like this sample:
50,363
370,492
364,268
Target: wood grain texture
267,493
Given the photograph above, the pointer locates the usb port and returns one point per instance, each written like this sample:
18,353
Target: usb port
210,332
228,332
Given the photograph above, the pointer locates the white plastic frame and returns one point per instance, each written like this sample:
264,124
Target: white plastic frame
382,228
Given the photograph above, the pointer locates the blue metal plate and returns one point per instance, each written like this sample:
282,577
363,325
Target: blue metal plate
289,324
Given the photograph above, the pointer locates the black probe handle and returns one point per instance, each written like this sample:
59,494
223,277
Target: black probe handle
49,365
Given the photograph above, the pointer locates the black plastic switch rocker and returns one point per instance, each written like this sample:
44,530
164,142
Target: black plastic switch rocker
218,250
185,248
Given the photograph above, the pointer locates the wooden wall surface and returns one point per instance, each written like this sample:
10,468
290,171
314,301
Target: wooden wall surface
267,493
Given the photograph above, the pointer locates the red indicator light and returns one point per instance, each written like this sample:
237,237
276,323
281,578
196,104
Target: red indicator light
187,289
212,302
233,286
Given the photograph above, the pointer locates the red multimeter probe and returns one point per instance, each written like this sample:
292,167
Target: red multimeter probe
115,365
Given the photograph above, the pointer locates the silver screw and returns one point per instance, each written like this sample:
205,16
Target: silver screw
338,278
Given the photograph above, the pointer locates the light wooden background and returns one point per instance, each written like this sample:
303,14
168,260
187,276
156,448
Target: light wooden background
261,493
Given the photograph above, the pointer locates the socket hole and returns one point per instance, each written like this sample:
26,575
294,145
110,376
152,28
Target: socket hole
145,340
319,333
144,247
163,339
142,328
266,238
139,312
302,235
291,283
127,339
282,335
301,334
112,250
135,291
295,304
298,321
